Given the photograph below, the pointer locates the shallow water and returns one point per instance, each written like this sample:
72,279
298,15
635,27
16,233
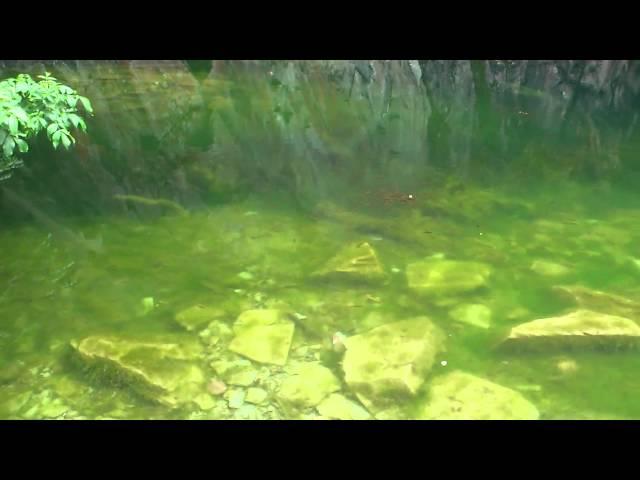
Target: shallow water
261,251
254,255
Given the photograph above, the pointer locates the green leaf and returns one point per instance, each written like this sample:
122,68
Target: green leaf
74,119
20,114
8,146
86,104
22,145
52,128
12,122
55,138
66,141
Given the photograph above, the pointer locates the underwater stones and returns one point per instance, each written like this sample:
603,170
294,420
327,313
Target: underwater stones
256,395
357,261
462,396
549,269
204,401
235,397
477,315
306,386
599,301
160,372
439,276
263,335
243,378
579,329
389,363
339,407
248,412
197,316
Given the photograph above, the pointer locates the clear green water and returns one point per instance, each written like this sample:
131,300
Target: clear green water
260,252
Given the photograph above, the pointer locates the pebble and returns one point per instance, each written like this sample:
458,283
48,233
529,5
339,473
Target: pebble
216,387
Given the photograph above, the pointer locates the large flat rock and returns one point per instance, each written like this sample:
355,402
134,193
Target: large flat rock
388,364
446,277
263,335
462,396
579,329
166,373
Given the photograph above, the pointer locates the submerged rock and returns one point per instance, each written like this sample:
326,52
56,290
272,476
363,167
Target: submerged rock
549,269
579,329
462,396
389,363
256,395
307,385
439,276
599,301
477,315
198,316
339,407
263,335
357,261
161,372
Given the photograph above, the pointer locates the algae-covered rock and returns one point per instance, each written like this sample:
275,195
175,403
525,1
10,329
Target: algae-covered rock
263,335
357,261
161,372
462,396
306,386
196,317
389,363
477,315
243,378
598,301
339,407
256,395
443,277
549,269
579,329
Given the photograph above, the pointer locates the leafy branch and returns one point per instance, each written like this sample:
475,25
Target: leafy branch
27,107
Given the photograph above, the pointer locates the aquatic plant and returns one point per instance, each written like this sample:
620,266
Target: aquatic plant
27,107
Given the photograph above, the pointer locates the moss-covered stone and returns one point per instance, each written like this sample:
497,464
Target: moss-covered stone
165,373
196,317
256,395
477,315
357,261
388,364
306,386
444,277
598,301
339,407
579,329
263,335
549,269
462,396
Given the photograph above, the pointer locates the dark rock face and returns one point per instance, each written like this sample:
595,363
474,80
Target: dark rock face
196,131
